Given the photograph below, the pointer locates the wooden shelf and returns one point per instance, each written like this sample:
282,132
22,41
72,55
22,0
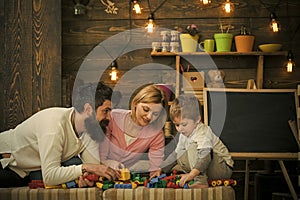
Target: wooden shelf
232,53
259,54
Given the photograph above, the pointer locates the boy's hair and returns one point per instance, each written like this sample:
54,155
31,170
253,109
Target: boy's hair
185,106
94,94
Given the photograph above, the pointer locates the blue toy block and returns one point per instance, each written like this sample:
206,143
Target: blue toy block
162,176
124,186
154,180
71,184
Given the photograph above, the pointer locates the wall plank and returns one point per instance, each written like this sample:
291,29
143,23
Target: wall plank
30,68
2,61
18,62
46,65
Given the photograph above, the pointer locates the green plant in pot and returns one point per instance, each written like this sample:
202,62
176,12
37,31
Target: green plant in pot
244,41
224,39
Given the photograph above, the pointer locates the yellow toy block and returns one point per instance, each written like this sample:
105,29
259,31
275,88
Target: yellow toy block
125,174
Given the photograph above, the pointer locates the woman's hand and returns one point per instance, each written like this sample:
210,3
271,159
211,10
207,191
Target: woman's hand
113,164
155,173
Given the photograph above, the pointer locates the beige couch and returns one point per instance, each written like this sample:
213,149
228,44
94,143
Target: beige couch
140,193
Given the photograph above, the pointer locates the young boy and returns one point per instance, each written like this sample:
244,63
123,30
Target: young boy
200,154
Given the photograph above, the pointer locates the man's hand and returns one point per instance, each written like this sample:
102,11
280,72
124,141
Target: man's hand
102,170
84,182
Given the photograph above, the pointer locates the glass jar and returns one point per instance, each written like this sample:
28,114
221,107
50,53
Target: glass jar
174,36
156,47
165,36
174,46
165,46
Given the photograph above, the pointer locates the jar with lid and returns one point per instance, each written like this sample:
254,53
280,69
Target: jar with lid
156,46
174,36
174,47
165,46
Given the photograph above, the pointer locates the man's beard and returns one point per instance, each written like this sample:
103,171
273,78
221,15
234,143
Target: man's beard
96,129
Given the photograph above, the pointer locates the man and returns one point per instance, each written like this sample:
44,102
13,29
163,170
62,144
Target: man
54,135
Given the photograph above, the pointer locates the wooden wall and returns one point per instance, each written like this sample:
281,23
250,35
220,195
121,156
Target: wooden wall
30,71
81,34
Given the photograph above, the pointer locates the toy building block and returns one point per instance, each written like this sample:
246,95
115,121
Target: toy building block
186,186
92,177
146,181
131,185
53,186
212,183
125,174
162,176
230,182
224,182
172,185
70,184
99,185
36,184
107,186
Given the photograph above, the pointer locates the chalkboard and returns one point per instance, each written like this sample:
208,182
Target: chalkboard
252,120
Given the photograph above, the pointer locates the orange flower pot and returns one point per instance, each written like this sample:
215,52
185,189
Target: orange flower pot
244,43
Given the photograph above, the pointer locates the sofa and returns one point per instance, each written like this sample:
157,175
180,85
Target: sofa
139,193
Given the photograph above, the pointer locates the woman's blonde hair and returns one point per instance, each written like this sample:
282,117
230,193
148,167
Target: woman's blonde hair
150,93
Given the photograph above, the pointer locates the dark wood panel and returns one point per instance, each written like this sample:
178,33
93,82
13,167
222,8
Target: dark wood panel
18,61
2,61
46,66
30,58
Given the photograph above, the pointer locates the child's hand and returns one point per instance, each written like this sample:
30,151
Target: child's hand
185,178
188,177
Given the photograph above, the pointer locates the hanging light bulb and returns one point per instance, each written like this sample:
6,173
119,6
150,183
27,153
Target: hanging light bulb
136,7
80,6
150,25
274,24
205,2
114,71
228,6
290,64
79,9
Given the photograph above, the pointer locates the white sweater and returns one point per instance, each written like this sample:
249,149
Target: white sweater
43,141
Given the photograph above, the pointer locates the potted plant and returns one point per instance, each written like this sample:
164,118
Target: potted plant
244,41
189,38
223,39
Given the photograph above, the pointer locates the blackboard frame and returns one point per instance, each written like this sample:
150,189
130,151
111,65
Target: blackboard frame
222,102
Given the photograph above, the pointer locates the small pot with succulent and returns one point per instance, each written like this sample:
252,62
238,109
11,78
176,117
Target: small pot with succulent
190,38
224,39
244,41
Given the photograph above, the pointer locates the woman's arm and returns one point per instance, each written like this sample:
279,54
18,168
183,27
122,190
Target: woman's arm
156,151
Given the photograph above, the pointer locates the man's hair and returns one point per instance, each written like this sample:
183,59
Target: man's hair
185,106
93,93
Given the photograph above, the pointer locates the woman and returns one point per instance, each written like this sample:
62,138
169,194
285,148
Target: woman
131,134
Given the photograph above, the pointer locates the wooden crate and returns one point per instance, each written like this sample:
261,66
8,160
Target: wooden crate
193,81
